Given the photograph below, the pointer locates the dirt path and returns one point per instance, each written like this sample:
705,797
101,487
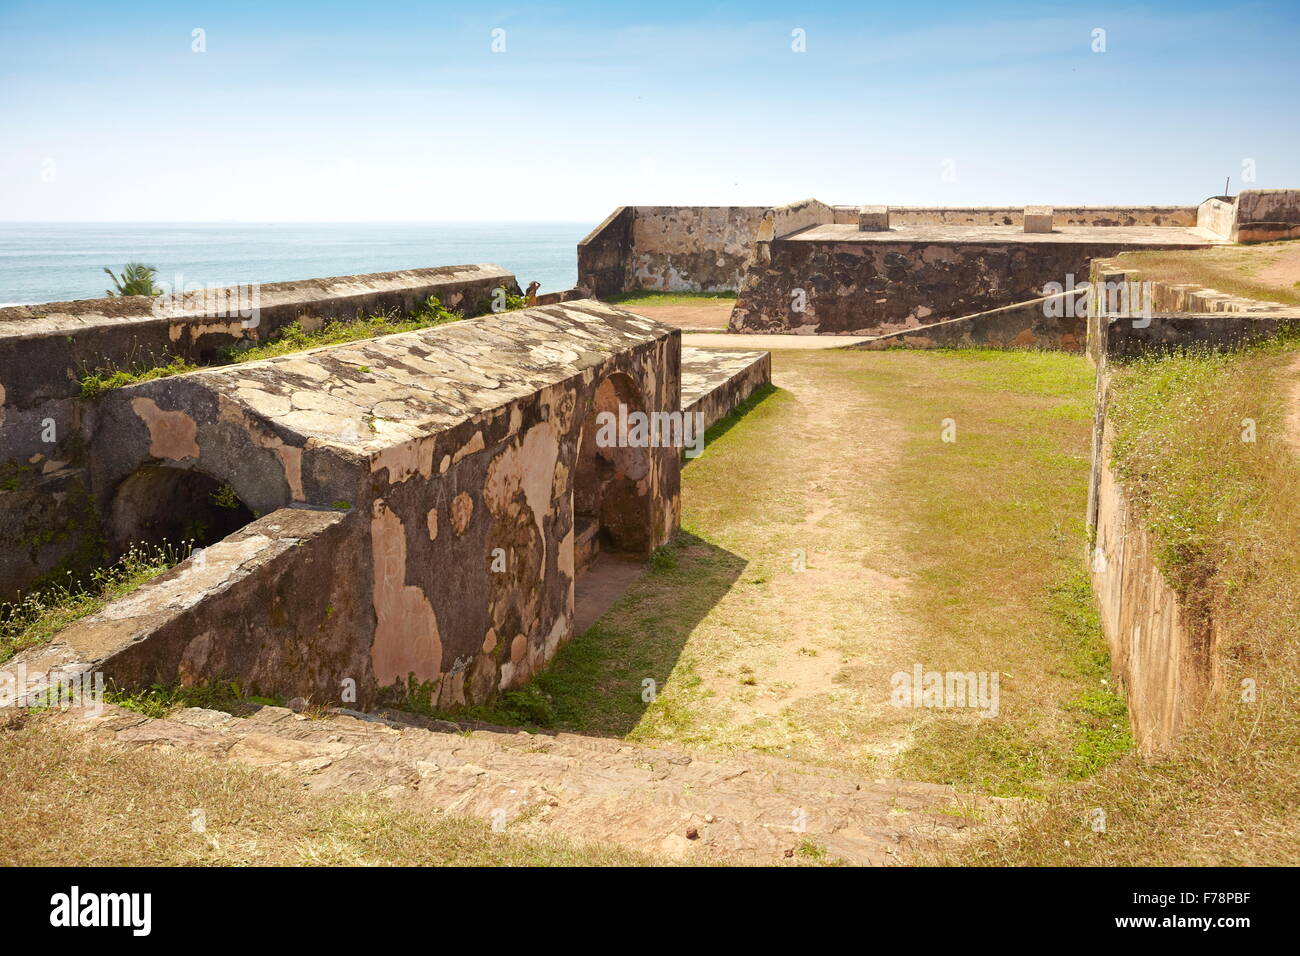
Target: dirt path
711,315
795,659
834,539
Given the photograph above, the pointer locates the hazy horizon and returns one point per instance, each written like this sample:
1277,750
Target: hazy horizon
403,112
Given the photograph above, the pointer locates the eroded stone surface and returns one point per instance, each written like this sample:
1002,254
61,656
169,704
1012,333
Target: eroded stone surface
479,421
667,802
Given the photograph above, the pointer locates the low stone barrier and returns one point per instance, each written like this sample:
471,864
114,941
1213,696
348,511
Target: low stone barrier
1162,658
272,606
716,381
1050,322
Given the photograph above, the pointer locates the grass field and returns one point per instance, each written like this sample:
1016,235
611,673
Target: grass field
1225,515
957,555
673,298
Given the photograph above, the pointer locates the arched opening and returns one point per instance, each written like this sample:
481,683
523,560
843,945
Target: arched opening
160,505
611,483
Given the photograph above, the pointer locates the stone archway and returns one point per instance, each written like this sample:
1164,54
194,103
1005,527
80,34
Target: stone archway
157,505
611,483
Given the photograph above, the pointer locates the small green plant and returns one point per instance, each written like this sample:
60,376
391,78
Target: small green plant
225,497
293,338
136,279
528,706
161,700
35,617
663,559
96,382
508,302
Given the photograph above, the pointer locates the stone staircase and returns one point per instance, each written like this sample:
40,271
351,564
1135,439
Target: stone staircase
670,803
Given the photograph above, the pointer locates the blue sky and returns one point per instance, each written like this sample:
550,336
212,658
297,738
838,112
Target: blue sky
395,111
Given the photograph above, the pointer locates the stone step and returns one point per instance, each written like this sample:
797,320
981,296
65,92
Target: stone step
670,802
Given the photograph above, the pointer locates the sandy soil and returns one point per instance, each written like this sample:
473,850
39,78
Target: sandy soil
744,340
1284,271
713,315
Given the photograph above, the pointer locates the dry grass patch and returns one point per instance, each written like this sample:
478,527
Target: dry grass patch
1268,271
67,801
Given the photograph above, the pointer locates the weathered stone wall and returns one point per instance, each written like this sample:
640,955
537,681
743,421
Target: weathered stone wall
1267,215
1217,214
1126,338
1162,658
691,248
605,254
709,248
878,287
1180,315
1058,322
453,451
278,606
45,349
669,248
48,524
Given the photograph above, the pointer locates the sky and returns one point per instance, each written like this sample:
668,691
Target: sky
381,111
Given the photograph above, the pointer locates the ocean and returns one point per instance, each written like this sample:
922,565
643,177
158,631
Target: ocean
50,262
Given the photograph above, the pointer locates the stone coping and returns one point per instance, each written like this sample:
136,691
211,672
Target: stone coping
1145,236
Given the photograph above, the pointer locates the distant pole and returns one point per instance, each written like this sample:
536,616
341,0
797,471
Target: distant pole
1226,179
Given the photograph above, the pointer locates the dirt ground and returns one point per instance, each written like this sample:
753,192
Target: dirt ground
707,316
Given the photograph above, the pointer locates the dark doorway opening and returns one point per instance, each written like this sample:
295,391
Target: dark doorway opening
180,507
611,499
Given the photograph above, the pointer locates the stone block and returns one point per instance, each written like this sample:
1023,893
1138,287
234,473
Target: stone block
1038,219
873,219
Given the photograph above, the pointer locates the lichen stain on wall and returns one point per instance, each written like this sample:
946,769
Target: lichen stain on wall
520,495
530,467
290,455
406,460
172,435
407,640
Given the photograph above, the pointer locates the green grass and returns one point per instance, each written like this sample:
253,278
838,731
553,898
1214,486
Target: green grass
34,618
529,706
982,540
292,338
1179,422
674,298
1224,515
159,700
95,382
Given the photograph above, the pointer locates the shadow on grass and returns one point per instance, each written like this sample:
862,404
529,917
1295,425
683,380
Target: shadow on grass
597,683
728,422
